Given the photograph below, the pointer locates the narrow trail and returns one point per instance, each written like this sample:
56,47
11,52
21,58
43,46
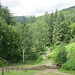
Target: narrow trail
48,63
46,53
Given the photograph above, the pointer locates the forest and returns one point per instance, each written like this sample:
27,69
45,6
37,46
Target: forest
24,39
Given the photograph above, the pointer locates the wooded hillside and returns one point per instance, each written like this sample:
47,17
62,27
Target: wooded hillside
27,40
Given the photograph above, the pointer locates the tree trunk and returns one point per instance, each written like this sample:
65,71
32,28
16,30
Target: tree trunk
23,56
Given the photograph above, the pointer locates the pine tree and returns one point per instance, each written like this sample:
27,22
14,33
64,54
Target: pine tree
51,29
46,17
55,16
56,29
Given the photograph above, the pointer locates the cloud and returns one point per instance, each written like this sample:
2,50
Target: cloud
10,3
36,7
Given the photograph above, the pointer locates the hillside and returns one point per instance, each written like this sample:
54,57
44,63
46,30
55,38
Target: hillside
19,18
70,9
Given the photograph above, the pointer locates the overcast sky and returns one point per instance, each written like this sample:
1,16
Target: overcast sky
36,7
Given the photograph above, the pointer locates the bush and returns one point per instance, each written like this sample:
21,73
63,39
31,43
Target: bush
42,53
14,60
32,56
69,65
52,47
61,54
49,56
2,63
71,52
53,55
30,62
39,59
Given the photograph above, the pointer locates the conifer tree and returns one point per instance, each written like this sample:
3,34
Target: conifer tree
51,29
57,27
46,17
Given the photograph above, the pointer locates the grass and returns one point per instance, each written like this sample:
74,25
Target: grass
38,72
49,73
69,46
30,72
43,62
67,71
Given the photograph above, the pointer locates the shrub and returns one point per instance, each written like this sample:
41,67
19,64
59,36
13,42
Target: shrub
1,63
30,62
32,56
69,65
14,60
71,52
61,54
49,56
39,59
52,47
53,55
42,53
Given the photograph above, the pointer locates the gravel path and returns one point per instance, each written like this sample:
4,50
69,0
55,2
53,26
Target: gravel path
46,53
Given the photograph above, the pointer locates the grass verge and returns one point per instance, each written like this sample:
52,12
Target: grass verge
67,71
29,72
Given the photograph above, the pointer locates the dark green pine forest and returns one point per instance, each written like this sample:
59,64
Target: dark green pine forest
25,38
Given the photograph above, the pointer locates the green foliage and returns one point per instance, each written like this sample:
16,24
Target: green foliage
72,30
30,37
70,50
55,15
10,46
29,72
61,56
49,56
67,71
46,17
56,53
39,34
8,36
71,53
32,19
70,64
1,63
5,14
51,48
39,59
61,30
52,55
32,55
50,24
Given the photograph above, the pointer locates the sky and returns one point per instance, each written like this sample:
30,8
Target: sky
35,7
